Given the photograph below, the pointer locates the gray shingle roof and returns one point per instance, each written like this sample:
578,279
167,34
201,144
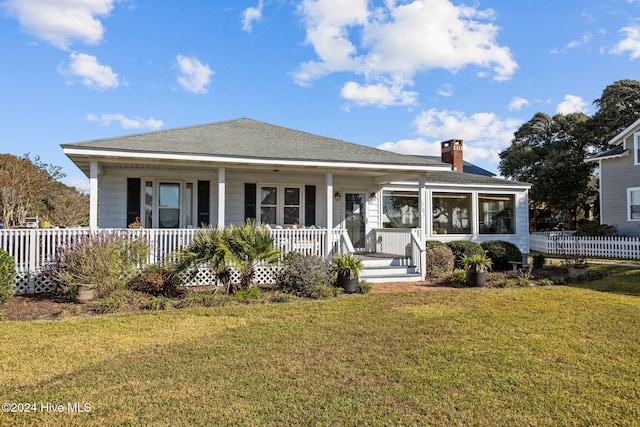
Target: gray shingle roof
246,138
614,152
453,177
467,167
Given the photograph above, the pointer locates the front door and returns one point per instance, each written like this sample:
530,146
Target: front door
355,219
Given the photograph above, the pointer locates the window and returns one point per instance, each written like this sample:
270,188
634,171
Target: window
636,148
496,213
169,205
280,205
451,212
400,209
172,204
633,200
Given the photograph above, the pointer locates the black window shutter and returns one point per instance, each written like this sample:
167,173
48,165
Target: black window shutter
309,205
133,200
249,201
203,203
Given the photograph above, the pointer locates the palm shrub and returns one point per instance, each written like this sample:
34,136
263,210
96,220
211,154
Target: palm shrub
208,248
462,249
249,245
104,259
7,276
300,273
501,253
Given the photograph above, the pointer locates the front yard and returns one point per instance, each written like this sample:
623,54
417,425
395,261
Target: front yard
551,356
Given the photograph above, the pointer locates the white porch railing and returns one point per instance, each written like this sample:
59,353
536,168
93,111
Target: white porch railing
34,249
564,243
403,242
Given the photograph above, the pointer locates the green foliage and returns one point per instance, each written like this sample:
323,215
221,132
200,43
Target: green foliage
545,282
348,264
456,278
501,253
204,299
248,295
364,287
462,249
539,261
618,107
121,300
7,276
209,248
434,243
321,291
157,303
595,229
102,259
156,279
279,297
300,273
440,260
478,261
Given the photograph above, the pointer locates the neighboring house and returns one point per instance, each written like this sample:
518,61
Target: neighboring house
226,172
620,181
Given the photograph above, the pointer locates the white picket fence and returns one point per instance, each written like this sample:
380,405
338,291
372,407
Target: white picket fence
34,250
564,243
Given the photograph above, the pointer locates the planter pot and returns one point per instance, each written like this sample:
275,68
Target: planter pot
44,224
476,277
350,286
86,293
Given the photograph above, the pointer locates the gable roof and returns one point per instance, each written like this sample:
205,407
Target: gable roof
618,151
245,139
466,167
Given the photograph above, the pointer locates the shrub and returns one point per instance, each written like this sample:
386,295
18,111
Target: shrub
434,244
595,229
204,299
545,282
156,279
364,287
121,300
539,260
321,291
300,273
501,253
7,276
462,249
456,278
104,259
440,260
279,297
248,295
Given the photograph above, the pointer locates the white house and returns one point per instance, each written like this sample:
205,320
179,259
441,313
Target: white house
226,172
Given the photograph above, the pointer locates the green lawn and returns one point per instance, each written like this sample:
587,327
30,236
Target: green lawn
518,356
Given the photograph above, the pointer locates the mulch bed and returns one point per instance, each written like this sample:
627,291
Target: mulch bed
43,307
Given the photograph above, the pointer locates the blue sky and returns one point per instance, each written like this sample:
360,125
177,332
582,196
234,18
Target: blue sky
395,74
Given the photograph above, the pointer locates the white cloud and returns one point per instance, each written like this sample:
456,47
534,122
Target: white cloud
445,90
251,15
517,103
575,43
379,94
399,40
61,22
125,122
630,44
572,104
91,73
194,75
485,135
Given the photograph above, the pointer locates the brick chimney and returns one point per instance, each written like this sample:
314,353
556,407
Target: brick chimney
452,153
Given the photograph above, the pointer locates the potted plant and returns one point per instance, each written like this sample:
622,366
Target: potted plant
476,267
44,222
349,268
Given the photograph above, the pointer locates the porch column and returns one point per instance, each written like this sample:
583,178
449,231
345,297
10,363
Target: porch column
422,201
93,195
329,239
221,198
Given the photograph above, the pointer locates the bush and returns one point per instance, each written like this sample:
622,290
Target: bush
248,295
301,273
204,299
456,278
434,244
279,297
539,260
156,279
104,259
121,300
501,253
321,291
364,287
158,303
595,229
440,260
7,276
462,249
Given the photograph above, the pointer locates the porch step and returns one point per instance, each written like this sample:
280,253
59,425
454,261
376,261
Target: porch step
379,269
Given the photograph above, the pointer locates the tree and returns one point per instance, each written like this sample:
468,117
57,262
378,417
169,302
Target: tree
549,153
617,108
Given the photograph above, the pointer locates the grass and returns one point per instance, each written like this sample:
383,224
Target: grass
520,356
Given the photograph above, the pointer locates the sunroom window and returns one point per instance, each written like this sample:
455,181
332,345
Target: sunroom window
496,213
400,209
451,213
633,199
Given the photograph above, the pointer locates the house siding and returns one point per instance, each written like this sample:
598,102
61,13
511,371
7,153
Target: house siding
616,176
